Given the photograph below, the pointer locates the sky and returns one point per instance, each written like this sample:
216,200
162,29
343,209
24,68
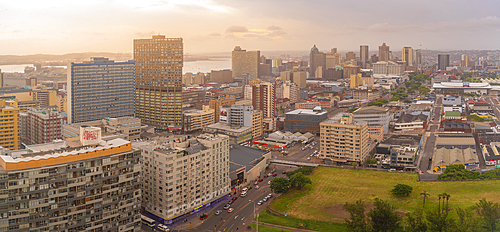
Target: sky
207,26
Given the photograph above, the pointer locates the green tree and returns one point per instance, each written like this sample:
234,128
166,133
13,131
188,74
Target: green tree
371,161
401,189
425,194
384,217
423,90
354,165
466,222
394,98
416,221
350,110
357,220
383,100
489,213
280,185
300,180
438,220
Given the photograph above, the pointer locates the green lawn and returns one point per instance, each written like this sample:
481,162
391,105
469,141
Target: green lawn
333,187
291,222
269,229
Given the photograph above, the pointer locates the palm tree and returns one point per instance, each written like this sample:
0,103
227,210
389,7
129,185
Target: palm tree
439,206
425,194
447,196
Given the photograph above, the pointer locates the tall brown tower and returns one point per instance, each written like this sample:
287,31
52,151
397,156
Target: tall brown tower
383,53
158,73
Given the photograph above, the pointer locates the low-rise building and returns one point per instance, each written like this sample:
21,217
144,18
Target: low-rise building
411,122
128,128
377,117
247,164
243,115
451,103
479,107
304,120
369,94
236,134
195,120
43,124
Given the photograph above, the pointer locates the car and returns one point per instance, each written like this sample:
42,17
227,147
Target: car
269,182
274,175
203,216
227,206
265,199
244,189
283,172
162,227
260,180
243,194
256,186
308,158
270,174
259,203
234,198
230,210
269,195
256,183
218,212
303,148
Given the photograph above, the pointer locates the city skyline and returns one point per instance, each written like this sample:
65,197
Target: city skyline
59,27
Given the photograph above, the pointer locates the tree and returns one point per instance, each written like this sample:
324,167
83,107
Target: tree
384,217
466,222
354,165
280,185
416,221
371,161
357,220
425,194
438,220
383,100
401,189
489,212
298,179
394,98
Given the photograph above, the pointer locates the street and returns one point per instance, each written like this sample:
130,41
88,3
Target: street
428,151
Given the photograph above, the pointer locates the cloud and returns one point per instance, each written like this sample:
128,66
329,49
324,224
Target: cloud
145,34
16,31
236,29
215,34
274,28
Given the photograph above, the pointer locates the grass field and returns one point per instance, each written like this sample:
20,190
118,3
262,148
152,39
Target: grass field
292,222
269,229
332,187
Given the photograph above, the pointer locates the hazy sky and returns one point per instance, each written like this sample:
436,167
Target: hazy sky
58,27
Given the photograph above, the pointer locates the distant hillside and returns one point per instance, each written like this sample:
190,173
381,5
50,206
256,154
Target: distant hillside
49,59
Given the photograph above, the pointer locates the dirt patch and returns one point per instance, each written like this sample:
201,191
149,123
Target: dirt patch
337,211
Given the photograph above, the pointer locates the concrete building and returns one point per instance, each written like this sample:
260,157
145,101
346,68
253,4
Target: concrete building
237,134
451,103
332,60
369,94
291,91
159,62
195,120
300,79
383,53
356,80
221,101
243,115
263,97
351,70
418,57
177,180
411,122
245,63
43,125
461,87
388,68
100,88
247,164
305,120
350,56
128,128
62,101
193,79
193,98
407,56
317,60
363,55
221,76
335,73
9,129
375,116
343,140
465,61
86,185
443,61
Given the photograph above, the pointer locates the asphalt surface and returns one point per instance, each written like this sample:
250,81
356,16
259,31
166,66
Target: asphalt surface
428,151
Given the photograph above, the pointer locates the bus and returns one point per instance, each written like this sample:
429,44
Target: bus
148,221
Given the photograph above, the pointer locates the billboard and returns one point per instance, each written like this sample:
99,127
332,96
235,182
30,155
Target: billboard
223,115
90,135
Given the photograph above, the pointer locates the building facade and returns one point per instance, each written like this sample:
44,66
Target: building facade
197,119
245,63
263,97
407,56
363,55
443,61
383,53
221,101
343,140
243,115
43,125
100,88
92,188
9,129
370,94
305,120
159,62
375,116
221,76
317,60
128,128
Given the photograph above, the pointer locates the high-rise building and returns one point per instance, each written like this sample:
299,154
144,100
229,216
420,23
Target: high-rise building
305,120
418,57
343,140
317,60
243,116
245,63
9,129
375,116
363,55
193,79
407,56
465,61
356,80
1,79
98,89
263,97
221,101
43,125
82,187
180,176
383,53
300,78
388,68
195,119
334,50
443,61
159,63
350,56
291,91
221,76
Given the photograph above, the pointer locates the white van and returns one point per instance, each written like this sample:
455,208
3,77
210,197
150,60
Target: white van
163,228
243,194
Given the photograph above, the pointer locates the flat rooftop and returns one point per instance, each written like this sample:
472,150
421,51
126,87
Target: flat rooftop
227,127
246,156
306,112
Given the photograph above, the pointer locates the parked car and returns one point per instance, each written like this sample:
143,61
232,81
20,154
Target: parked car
269,182
234,198
260,180
162,227
283,172
265,199
203,216
269,195
274,175
259,203
256,183
243,194
230,210
244,189
218,212
227,206
256,187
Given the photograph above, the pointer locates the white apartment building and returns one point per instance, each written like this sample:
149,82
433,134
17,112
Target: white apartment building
375,116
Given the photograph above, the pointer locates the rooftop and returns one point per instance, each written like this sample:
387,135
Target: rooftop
315,111
445,156
454,85
227,127
407,118
246,156
370,110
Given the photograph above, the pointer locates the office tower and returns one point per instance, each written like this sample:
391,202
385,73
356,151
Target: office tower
193,79
305,120
82,187
388,68
243,116
277,62
44,125
263,97
180,176
383,53
356,80
334,50
443,61
343,140
348,70
245,63
317,60
300,78
99,88
363,55
158,74
1,79
465,60
291,91
220,101
418,57
221,76
350,56
407,56
31,81
9,129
